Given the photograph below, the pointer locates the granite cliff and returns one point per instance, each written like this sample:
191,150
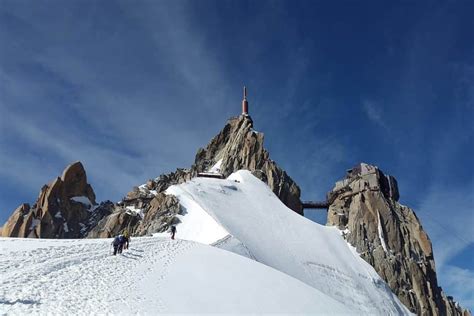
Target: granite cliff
390,237
65,208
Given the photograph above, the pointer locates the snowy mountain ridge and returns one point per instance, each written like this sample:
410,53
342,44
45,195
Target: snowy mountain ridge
260,223
163,275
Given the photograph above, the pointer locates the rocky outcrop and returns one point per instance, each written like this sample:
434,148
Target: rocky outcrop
237,146
160,215
65,208
390,237
117,221
156,216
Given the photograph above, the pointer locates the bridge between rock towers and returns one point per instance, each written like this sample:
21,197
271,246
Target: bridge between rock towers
315,204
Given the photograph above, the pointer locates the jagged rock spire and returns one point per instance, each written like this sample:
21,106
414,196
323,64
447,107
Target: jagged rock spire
65,208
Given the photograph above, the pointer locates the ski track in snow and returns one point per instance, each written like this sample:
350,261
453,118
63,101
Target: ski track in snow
80,277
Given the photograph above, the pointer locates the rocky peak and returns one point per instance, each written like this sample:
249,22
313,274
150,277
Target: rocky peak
389,236
74,181
65,208
239,146
146,210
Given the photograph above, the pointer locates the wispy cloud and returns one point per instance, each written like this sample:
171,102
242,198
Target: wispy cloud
447,212
461,284
374,113
61,105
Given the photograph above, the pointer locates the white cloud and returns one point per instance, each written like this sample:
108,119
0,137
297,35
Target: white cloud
374,113
82,110
461,285
447,213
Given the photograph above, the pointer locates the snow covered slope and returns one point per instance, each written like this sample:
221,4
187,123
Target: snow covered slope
156,275
274,235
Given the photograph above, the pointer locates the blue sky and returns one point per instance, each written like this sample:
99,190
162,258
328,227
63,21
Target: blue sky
133,88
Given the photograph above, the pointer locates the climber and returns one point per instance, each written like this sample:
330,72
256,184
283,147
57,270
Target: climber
118,244
126,237
173,231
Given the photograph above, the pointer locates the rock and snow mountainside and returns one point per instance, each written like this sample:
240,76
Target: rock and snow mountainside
250,220
390,237
146,209
159,275
156,275
65,208
255,224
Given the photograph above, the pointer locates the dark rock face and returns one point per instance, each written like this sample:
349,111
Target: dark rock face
236,147
65,208
390,237
160,215
117,221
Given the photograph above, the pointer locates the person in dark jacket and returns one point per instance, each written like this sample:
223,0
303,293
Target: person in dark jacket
173,231
118,243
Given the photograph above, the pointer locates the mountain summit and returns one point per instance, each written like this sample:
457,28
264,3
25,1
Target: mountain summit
147,209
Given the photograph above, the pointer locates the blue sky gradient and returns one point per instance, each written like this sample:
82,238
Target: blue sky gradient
133,88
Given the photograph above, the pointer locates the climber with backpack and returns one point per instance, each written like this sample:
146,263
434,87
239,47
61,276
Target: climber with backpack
118,243
126,237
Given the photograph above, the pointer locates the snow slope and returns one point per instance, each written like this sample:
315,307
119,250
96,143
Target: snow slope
155,275
276,236
196,224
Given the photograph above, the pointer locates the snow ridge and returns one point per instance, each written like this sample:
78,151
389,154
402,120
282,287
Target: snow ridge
277,237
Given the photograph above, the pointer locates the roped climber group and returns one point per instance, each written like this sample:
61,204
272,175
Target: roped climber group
121,242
